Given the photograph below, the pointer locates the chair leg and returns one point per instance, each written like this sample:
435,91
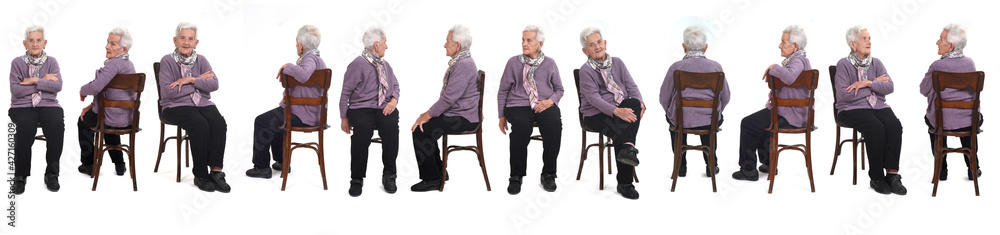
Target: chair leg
187,148
482,159
286,155
162,147
677,161
937,163
98,150
773,160
809,168
711,160
131,160
836,150
180,138
322,163
444,161
600,159
854,147
974,164
634,175
583,153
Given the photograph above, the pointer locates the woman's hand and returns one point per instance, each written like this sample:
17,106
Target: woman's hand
625,114
858,85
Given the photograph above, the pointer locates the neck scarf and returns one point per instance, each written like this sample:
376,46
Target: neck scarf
694,54
379,64
187,64
604,68
862,66
35,70
949,55
451,65
793,55
528,76
123,55
313,51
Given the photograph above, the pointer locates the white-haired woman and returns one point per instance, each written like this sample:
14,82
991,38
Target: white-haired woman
951,46
862,84
368,102
530,89
694,60
754,137
34,82
186,83
116,53
268,135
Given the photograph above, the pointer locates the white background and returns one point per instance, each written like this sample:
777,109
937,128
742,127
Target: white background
247,42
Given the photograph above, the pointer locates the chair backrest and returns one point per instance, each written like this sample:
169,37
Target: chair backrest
579,96
320,78
808,79
134,82
684,80
972,81
833,87
156,76
482,85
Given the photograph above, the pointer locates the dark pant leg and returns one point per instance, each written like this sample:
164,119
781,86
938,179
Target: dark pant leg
388,131
217,135
53,127
520,119
362,123
705,140
620,132
268,135
966,143
26,120
866,122
425,143
893,138
753,133
550,126
190,119
87,137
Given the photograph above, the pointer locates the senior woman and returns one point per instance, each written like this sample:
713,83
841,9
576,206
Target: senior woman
950,45
530,89
34,82
367,102
186,83
862,84
611,104
694,118
267,134
116,51
754,137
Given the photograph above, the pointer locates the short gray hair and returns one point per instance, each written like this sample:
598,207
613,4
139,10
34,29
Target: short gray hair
853,33
694,38
40,29
586,33
126,37
539,34
373,35
186,25
796,35
461,35
309,37
956,36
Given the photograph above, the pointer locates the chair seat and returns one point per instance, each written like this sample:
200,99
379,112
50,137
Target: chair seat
117,131
306,129
472,132
796,130
954,133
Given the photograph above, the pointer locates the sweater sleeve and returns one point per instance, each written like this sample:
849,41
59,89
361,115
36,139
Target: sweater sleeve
557,86
591,93
506,83
458,84
49,85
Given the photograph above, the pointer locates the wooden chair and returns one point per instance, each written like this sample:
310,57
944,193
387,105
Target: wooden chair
961,81
130,82
855,141
684,80
478,148
320,78
601,144
808,79
163,123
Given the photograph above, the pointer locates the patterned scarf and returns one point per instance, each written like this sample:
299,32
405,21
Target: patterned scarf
793,55
528,75
379,65
604,68
451,65
313,51
35,71
694,54
862,66
949,55
187,64
123,56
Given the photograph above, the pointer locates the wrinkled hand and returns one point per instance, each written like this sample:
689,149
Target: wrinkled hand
423,118
858,85
82,97
85,109
207,75
29,81
767,72
51,77
280,71
643,113
542,105
503,125
180,82
390,107
345,125
883,78
625,114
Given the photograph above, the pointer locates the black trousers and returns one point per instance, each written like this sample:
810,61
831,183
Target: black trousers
883,135
521,127
87,140
27,121
755,140
364,122
966,143
267,134
620,132
207,129
705,140
425,145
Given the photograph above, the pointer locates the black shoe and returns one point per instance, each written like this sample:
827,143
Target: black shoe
549,182
19,182
895,183
944,174
205,184
120,168
515,185
259,173
628,191
627,155
766,169
709,173
426,185
355,189
52,182
683,171
389,183
880,186
86,169
978,175
277,166
748,176
219,179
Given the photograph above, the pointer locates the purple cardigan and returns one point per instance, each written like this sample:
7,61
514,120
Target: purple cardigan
512,94
461,95
847,74
596,97
796,116
361,84
170,72
693,117
953,118
309,114
115,117
20,96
